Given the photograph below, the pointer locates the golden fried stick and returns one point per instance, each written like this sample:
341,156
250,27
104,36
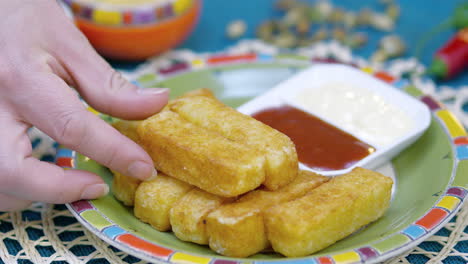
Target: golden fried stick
154,199
237,229
187,217
128,129
201,157
199,92
328,213
124,187
201,108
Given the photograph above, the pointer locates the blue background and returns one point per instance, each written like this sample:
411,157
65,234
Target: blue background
418,18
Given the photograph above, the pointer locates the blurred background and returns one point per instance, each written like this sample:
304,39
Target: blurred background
415,25
377,30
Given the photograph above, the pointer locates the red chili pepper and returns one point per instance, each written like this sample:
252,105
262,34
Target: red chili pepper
452,58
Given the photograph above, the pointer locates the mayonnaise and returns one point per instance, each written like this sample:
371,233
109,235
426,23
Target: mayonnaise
357,110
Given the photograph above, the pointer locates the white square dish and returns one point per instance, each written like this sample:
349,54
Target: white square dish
313,80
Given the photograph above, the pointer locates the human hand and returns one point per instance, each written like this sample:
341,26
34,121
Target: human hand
41,54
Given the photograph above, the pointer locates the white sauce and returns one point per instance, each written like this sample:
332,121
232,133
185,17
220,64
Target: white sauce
358,111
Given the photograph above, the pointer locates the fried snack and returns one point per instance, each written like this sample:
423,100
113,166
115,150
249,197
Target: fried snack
187,217
199,92
124,187
203,109
201,157
237,229
128,128
328,213
154,199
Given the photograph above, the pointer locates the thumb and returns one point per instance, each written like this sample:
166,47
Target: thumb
104,88
40,181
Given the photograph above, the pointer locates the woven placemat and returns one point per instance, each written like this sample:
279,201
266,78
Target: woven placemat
46,233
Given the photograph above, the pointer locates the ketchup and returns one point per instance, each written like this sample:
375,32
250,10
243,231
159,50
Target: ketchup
319,145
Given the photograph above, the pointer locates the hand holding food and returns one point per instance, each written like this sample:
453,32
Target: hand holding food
229,160
42,54
199,140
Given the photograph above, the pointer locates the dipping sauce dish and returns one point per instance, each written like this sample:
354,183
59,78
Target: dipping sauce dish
358,110
340,117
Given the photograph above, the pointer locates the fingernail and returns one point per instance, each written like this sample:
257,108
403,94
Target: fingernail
152,91
94,191
154,175
141,170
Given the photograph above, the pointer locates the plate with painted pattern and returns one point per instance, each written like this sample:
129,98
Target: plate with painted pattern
431,176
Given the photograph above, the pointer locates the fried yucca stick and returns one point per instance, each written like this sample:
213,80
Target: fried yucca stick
328,213
128,128
237,229
124,187
199,92
155,198
188,215
201,157
202,108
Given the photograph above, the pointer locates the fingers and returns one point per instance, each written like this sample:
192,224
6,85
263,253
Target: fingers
14,144
104,88
24,179
35,180
10,203
58,112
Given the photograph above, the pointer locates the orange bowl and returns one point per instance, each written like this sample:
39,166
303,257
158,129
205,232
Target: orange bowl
116,37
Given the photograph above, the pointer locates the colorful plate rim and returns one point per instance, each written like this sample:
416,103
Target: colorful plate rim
434,219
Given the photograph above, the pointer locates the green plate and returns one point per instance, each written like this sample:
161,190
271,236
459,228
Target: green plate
431,175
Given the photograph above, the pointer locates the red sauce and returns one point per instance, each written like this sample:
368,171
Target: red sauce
319,145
